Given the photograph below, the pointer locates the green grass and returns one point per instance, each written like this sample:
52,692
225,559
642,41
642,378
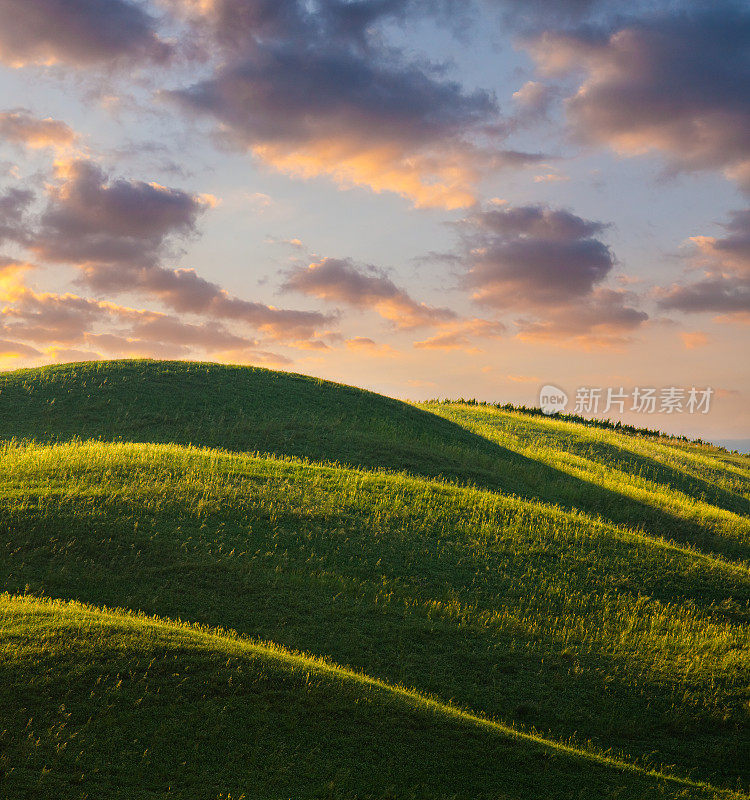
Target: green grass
507,606
194,714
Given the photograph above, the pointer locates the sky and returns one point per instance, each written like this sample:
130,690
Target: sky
421,197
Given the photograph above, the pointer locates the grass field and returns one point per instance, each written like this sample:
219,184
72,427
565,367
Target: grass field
392,600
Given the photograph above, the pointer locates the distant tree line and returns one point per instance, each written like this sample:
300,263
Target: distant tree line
590,422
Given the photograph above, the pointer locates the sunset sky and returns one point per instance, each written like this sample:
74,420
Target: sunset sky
422,197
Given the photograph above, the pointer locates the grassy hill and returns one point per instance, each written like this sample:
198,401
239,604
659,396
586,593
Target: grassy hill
505,606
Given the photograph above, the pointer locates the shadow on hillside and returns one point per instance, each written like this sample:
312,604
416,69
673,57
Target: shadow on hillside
259,725
357,606
651,469
247,410
633,463
498,468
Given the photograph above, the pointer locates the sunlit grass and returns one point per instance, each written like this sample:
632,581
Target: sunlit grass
694,484
568,583
179,711
329,561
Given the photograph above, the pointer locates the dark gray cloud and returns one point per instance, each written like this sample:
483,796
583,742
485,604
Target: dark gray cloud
308,90
733,250
728,295
237,24
533,101
51,318
530,15
343,281
285,93
605,318
725,285
120,232
531,255
54,320
674,83
78,32
184,291
90,219
14,204
59,323
165,328
548,266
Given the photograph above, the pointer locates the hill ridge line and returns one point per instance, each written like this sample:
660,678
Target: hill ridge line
621,532
323,665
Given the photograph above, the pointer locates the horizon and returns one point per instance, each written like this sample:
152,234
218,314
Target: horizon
741,446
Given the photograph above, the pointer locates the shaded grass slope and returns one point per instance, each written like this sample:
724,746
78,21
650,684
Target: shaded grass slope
198,715
686,494
578,584
234,408
532,615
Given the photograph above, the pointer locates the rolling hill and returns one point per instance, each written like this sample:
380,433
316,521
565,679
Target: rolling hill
250,583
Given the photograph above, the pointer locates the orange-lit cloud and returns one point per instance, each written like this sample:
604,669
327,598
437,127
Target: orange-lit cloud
313,92
58,325
692,340
550,267
438,179
12,278
551,177
118,233
22,128
604,319
13,350
463,335
364,344
340,280
724,287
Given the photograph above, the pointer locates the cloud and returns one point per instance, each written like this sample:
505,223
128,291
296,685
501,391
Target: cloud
58,322
551,177
14,204
50,318
184,291
343,281
532,13
550,266
366,287
461,335
725,294
306,89
119,232
12,278
78,33
531,255
16,350
369,346
674,83
604,319
89,220
692,340
68,354
534,100
725,285
20,127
